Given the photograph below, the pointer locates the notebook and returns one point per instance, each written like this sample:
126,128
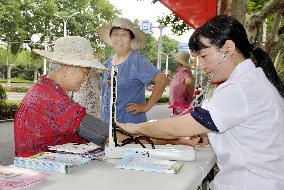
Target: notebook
135,160
12,177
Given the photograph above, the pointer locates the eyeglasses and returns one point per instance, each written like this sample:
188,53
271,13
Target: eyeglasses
131,138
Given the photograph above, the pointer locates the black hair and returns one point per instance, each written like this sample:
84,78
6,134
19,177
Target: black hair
221,28
131,33
263,60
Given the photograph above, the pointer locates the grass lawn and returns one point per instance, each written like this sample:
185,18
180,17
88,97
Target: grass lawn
17,80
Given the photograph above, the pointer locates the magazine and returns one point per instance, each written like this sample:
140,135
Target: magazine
135,160
12,177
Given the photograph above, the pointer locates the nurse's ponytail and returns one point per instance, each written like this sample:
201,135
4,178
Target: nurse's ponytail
262,59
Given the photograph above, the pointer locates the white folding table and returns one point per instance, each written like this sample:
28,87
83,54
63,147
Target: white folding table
101,175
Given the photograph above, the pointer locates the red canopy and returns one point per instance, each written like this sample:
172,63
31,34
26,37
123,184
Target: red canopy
193,12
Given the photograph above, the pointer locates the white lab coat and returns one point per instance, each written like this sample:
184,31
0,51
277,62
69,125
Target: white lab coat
249,114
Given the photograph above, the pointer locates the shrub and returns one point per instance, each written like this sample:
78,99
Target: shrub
3,95
16,89
17,80
163,99
8,110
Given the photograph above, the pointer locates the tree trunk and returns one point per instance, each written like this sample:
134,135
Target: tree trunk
273,38
9,74
235,8
255,20
8,66
35,74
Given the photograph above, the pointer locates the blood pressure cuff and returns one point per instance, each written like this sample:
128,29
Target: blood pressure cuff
93,130
203,117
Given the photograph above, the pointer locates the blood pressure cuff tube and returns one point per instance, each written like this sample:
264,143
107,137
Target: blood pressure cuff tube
93,130
203,117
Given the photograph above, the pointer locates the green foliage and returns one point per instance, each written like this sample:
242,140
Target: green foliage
150,49
178,26
15,89
3,95
24,58
11,20
169,46
17,80
255,5
23,72
163,99
8,110
21,19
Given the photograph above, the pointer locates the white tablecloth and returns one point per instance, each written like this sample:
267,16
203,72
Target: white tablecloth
99,175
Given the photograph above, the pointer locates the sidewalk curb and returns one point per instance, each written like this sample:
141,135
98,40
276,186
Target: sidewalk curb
7,120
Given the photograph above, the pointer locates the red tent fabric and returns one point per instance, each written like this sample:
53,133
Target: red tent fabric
193,12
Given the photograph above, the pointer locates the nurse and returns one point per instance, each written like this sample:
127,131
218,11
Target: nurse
244,118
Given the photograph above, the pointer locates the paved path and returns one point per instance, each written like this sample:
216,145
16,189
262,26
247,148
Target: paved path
19,84
6,143
7,133
15,95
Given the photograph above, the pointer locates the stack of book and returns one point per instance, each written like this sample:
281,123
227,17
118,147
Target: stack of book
64,159
12,177
52,162
135,160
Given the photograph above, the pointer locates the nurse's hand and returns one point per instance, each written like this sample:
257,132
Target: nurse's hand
204,140
129,127
135,108
192,141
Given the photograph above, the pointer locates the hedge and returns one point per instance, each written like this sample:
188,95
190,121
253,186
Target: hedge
3,95
8,109
163,99
16,89
17,80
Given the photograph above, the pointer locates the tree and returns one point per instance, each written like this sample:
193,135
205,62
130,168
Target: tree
253,14
262,15
11,29
150,50
169,46
21,19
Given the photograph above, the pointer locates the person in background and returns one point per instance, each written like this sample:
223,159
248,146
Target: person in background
47,116
182,84
244,118
134,72
89,95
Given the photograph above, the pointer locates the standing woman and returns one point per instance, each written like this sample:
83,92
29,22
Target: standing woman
182,84
244,118
134,72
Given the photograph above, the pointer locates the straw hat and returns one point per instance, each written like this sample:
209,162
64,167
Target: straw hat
72,50
182,57
137,42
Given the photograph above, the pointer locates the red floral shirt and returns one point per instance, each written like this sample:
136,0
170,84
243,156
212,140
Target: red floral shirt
46,116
